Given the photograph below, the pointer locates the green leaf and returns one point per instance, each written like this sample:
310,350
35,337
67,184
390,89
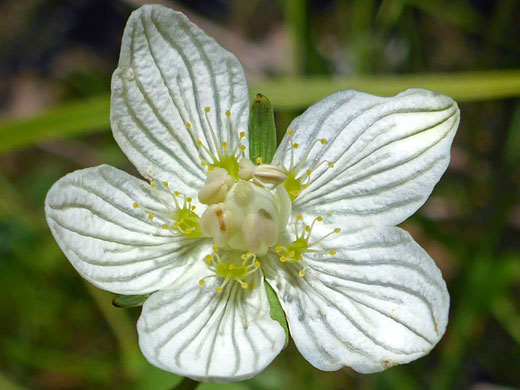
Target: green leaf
79,117
512,146
262,130
126,301
186,384
277,312
91,115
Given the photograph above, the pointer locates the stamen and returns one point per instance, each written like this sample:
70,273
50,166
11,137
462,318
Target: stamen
179,219
232,267
295,181
218,154
292,252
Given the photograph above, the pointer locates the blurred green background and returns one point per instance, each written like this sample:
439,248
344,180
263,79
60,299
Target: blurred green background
56,59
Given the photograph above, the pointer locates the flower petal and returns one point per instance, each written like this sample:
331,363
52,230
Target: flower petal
378,301
169,71
388,153
110,243
192,330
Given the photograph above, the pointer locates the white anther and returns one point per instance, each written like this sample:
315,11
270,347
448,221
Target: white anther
269,175
265,175
246,168
217,185
217,222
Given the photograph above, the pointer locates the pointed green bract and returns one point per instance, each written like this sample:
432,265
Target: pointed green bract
127,301
277,312
262,130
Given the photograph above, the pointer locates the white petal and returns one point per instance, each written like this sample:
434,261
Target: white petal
379,301
192,330
169,71
111,244
388,154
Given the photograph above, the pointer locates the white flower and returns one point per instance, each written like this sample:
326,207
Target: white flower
318,224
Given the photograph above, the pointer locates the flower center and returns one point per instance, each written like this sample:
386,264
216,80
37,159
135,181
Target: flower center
244,215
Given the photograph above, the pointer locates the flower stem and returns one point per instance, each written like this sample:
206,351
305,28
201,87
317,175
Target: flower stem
186,384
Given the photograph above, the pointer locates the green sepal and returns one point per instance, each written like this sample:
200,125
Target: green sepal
277,312
127,301
262,130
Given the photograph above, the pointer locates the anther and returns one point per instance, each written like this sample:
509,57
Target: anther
207,109
188,125
201,282
301,274
332,252
135,205
228,113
